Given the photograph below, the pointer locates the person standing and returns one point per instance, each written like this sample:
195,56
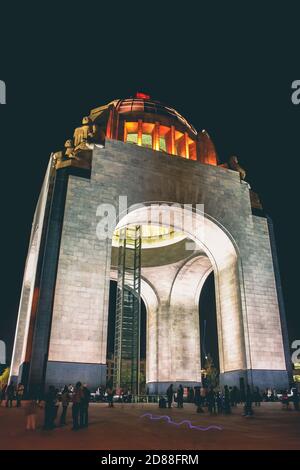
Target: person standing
110,397
269,394
56,404
236,395
203,393
219,400
211,401
257,397
19,394
30,413
3,393
296,398
180,392
65,399
231,397
50,401
170,395
10,394
77,396
84,407
285,400
248,411
162,402
191,395
242,391
97,394
227,408
197,400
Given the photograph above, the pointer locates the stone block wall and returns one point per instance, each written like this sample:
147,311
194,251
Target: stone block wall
79,323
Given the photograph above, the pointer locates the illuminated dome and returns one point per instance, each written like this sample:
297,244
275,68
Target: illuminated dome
152,236
149,123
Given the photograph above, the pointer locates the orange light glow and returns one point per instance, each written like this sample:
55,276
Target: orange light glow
140,132
142,96
125,131
156,137
34,306
207,149
131,127
109,125
186,144
161,138
173,150
147,128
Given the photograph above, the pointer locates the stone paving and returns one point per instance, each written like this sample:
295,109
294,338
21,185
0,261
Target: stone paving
122,427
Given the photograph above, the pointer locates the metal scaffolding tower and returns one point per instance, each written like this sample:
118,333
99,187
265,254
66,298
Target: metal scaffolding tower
128,311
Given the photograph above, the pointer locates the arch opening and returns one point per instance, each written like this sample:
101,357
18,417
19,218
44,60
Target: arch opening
173,275
208,328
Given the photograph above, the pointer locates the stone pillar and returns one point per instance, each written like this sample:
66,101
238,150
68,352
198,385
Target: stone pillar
173,331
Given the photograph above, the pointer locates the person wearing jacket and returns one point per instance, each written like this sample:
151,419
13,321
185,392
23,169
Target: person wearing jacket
84,407
65,399
76,399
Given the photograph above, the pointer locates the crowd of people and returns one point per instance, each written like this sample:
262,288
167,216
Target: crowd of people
78,396
215,400
222,401
9,393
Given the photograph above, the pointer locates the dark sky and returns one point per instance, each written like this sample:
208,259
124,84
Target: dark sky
227,69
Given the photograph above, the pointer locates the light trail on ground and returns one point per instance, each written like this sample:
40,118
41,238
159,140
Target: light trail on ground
185,421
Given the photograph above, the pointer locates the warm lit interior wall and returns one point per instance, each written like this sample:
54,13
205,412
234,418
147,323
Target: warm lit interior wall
160,137
207,151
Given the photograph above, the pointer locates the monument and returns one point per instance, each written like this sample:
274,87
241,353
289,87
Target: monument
188,215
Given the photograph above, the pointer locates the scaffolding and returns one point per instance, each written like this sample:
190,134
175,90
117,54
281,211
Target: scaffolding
128,312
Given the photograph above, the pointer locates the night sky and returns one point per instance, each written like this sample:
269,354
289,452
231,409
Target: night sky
226,69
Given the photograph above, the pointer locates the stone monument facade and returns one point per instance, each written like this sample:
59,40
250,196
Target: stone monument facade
147,152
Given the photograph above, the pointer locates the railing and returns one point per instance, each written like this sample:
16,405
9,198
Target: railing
146,398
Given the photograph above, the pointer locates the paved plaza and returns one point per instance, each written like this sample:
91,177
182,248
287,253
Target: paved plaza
123,427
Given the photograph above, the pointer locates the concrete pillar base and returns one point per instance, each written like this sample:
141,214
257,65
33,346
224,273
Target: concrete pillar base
157,388
262,379
65,373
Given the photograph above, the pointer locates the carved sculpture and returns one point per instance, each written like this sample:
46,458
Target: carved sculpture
233,164
57,157
81,147
87,134
81,133
69,148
